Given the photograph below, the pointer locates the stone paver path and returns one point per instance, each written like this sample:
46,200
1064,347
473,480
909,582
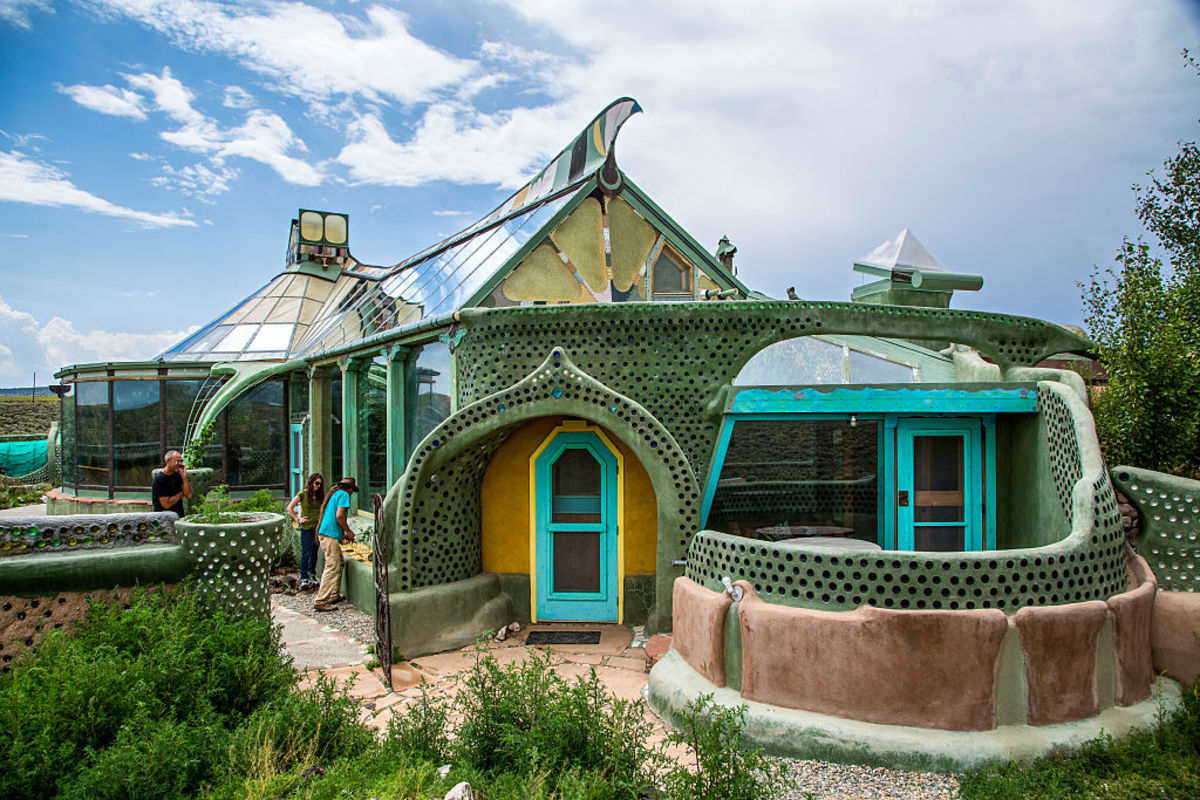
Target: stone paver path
320,650
36,510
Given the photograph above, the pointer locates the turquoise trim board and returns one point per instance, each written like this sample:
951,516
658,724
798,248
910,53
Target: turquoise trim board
898,399
296,468
597,606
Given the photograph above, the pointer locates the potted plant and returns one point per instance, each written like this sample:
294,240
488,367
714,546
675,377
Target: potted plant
232,546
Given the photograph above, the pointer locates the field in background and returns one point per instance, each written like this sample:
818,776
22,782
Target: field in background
25,415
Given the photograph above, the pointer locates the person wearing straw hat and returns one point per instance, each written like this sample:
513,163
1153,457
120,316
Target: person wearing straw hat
333,528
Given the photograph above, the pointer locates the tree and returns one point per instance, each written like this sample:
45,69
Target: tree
1144,316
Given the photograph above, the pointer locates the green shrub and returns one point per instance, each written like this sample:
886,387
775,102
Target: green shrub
314,725
13,496
373,773
151,758
525,714
262,500
422,733
215,508
724,771
134,681
218,507
287,738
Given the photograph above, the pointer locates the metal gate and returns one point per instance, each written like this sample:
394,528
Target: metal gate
383,609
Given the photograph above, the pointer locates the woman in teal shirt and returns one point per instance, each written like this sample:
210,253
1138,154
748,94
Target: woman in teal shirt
333,528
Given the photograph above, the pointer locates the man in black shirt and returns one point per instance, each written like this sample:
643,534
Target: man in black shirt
171,485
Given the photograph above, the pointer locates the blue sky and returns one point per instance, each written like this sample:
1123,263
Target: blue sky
153,152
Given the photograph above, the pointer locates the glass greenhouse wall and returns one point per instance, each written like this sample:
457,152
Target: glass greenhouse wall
115,431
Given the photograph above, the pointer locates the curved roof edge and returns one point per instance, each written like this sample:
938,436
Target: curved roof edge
574,164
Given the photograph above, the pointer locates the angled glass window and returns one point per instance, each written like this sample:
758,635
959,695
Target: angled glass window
372,428
439,283
793,478
866,368
271,337
812,360
237,339
256,449
429,384
794,362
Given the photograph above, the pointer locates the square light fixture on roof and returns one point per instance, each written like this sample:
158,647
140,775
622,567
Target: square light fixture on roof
324,228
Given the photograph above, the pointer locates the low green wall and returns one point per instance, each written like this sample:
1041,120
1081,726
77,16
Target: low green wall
1170,520
90,570
448,616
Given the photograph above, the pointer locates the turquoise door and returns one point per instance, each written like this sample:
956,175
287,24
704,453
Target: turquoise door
939,485
576,530
296,468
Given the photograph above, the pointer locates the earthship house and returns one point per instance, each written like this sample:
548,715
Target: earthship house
879,523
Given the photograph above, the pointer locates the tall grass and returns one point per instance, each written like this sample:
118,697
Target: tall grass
1163,764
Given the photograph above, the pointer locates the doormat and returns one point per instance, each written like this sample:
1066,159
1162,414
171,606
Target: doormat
563,637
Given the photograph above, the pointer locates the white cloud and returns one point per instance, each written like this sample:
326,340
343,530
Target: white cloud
107,99
63,344
29,345
308,52
237,97
17,12
264,136
196,180
456,142
517,55
24,141
24,180
449,213
196,131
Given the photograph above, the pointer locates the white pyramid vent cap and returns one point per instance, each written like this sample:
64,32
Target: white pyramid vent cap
904,251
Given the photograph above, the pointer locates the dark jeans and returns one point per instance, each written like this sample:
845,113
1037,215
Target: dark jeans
308,555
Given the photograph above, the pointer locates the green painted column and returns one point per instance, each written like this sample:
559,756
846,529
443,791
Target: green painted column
352,455
320,428
397,428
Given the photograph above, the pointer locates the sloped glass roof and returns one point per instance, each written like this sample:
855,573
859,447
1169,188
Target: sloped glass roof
266,325
297,314
439,284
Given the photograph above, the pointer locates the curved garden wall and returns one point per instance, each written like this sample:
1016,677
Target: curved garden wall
966,670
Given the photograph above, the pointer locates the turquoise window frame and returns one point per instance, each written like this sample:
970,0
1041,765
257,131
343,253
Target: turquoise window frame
898,407
601,606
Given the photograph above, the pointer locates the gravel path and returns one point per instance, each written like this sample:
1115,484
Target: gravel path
822,780
806,780
347,619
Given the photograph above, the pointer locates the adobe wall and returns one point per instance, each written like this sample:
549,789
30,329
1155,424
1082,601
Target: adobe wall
955,670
